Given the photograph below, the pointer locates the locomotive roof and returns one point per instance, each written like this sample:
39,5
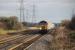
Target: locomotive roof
43,22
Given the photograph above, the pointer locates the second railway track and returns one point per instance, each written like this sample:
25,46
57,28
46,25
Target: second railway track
6,44
28,41
18,42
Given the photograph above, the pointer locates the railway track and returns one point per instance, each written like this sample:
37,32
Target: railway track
7,39
6,44
18,42
26,48
41,44
26,42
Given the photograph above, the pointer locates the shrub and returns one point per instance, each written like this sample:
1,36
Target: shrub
72,35
72,23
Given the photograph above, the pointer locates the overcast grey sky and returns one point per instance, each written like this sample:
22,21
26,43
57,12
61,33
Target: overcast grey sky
51,10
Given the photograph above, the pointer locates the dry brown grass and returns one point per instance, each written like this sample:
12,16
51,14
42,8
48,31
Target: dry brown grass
61,40
2,31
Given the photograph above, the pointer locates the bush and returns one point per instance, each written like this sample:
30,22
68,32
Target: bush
72,23
72,35
65,23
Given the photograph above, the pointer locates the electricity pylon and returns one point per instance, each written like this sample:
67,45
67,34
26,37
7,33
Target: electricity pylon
22,14
33,15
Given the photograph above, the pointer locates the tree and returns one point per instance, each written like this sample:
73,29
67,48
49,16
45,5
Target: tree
10,22
65,23
72,23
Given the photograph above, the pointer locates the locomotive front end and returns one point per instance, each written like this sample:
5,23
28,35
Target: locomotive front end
43,27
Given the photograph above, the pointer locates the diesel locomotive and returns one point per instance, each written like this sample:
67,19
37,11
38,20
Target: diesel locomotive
43,27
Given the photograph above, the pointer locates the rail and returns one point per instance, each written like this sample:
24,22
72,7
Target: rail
26,42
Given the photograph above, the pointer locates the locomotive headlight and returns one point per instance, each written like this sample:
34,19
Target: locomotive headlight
40,28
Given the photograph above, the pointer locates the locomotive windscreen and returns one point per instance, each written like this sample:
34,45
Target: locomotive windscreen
43,23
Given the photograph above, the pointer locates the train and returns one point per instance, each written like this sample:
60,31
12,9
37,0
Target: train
43,27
